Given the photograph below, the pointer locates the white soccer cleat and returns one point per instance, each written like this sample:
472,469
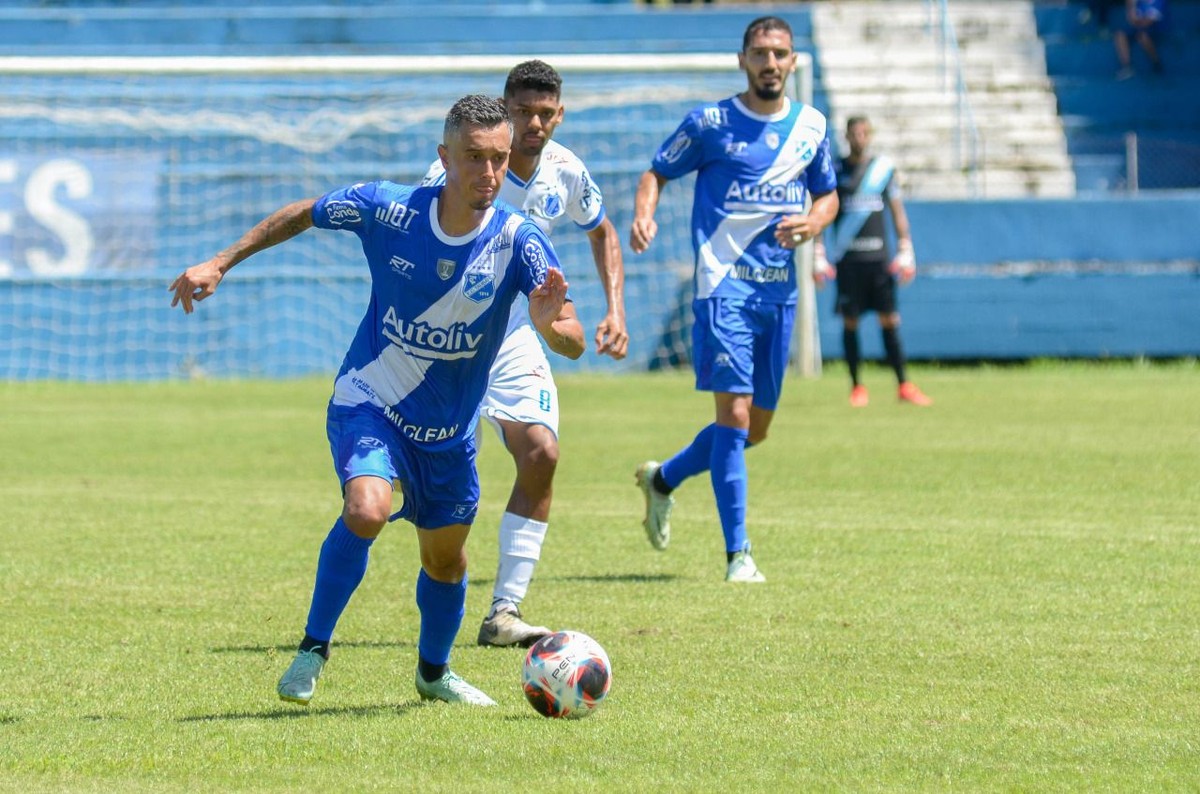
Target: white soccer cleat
300,680
742,568
506,628
451,689
658,506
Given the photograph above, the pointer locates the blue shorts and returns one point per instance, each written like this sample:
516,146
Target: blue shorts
439,487
741,347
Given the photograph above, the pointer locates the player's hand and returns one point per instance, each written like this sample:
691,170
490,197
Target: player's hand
195,284
904,265
611,337
642,233
823,271
547,299
795,230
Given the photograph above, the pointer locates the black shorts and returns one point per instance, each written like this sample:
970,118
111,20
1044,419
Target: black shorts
865,287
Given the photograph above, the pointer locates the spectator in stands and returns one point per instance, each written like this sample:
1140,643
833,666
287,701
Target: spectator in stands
856,252
1145,21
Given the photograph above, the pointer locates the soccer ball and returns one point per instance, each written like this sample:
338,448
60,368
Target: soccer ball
566,674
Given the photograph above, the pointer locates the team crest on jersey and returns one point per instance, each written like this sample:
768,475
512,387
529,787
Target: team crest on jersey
552,206
772,140
479,286
445,268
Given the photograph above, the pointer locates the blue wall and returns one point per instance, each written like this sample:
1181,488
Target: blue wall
1111,276
1148,228
1022,279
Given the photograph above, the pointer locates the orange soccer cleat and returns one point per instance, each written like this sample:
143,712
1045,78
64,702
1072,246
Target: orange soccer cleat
909,393
858,397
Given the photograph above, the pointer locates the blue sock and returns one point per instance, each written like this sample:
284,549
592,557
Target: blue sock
728,472
442,608
340,568
689,461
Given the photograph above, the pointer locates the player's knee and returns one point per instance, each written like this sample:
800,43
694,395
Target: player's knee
541,457
449,568
366,517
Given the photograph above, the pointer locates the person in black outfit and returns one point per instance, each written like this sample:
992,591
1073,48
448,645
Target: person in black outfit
855,251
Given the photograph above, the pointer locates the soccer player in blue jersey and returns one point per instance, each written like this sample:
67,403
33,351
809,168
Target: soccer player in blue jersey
550,184
445,268
758,157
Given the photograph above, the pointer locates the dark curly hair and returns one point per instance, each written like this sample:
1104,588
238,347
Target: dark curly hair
534,75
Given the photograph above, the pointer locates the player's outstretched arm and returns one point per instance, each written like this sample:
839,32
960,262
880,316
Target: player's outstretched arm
645,202
555,318
198,282
612,338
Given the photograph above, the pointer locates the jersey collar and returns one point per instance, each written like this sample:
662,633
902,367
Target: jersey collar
782,114
464,239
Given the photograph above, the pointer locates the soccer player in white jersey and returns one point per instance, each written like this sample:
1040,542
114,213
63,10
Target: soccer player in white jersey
758,157
445,267
549,184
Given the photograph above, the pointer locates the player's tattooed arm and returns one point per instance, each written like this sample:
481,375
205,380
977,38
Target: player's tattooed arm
198,282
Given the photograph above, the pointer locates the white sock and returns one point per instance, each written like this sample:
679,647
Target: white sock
520,547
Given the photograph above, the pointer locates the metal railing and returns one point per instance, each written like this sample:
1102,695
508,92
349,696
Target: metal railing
967,145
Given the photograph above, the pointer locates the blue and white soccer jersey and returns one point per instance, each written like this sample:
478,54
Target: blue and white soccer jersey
751,170
405,399
521,386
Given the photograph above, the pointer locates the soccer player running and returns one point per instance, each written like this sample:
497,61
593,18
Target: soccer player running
549,184
757,156
856,252
445,267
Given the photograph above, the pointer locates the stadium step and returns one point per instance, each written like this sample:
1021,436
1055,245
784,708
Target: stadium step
895,63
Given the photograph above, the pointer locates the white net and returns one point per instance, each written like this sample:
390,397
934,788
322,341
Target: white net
115,174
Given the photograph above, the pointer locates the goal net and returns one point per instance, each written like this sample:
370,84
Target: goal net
117,173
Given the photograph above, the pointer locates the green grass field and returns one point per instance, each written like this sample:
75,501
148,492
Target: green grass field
997,593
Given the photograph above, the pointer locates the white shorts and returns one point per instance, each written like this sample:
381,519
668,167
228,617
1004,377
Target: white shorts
520,385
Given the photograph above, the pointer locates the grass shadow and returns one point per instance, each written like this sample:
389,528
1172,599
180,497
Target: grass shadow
291,647
285,713
626,578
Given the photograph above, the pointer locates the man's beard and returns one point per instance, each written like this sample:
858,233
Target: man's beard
534,150
769,94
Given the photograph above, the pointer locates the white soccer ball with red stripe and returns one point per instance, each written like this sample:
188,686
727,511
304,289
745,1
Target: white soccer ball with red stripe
567,674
